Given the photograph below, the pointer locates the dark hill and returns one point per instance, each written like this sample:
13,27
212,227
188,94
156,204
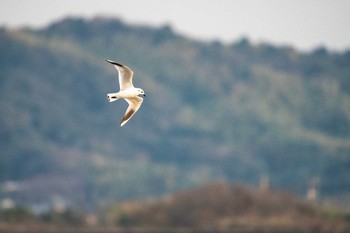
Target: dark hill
213,111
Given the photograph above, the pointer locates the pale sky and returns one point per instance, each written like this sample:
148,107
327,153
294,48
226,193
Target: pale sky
304,24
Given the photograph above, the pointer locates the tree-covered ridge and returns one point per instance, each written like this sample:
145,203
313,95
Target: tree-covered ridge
213,111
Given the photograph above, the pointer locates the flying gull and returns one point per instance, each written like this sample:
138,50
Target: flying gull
127,91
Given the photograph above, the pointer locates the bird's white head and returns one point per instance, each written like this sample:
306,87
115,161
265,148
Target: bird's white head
140,92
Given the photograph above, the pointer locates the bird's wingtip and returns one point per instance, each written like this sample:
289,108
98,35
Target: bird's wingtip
114,63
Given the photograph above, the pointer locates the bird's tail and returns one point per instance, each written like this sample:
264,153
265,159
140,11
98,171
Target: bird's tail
112,97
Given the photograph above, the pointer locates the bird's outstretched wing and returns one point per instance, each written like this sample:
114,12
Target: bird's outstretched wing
125,75
134,105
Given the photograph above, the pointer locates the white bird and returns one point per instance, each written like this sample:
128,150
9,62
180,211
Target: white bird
127,91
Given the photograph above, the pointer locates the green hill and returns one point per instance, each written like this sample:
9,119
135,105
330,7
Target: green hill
213,111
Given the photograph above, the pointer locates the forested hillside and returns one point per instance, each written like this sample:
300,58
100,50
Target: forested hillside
214,111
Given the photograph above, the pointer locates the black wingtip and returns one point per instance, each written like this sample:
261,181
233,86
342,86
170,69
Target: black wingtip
114,63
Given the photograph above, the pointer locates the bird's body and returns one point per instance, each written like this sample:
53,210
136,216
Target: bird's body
127,91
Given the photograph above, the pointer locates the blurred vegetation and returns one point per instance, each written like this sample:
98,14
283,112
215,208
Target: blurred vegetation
21,219
216,207
213,111
228,207
16,215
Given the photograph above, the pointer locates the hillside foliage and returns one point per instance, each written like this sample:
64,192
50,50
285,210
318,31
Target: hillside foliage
213,111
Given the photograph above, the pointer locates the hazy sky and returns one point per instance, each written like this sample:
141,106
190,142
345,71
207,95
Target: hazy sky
304,24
